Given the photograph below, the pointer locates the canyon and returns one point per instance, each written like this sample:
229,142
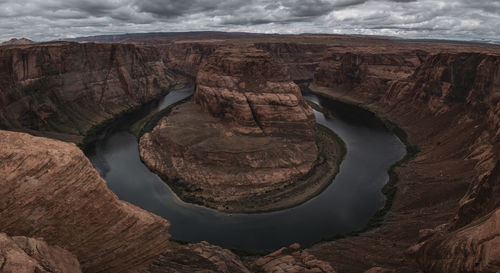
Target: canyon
245,142
444,209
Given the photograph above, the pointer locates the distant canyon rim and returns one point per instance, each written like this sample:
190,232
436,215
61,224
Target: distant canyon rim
57,214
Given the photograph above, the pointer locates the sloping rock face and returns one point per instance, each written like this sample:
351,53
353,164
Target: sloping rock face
291,259
22,254
474,248
63,89
249,133
199,257
449,106
49,189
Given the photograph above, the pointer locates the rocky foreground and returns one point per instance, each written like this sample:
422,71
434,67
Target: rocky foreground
444,216
50,190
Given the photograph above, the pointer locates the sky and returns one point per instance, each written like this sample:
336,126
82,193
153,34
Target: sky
43,20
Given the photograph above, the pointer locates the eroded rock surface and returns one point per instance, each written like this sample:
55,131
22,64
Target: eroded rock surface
247,88
62,89
444,95
448,103
28,255
247,135
70,206
473,248
291,259
49,189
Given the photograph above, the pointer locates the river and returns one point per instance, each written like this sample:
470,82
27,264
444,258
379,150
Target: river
346,205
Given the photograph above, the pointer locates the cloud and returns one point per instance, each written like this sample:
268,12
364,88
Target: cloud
53,19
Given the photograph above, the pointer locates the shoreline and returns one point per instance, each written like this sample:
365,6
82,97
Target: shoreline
88,139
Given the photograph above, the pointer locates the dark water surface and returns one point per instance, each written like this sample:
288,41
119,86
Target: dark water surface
346,205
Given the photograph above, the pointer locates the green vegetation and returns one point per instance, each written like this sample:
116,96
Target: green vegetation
149,122
90,136
315,106
136,128
390,188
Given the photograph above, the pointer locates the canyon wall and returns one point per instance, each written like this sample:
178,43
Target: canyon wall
368,73
444,216
63,89
187,56
50,189
448,103
300,58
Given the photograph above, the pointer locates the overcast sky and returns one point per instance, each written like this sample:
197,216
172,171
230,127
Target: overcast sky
42,20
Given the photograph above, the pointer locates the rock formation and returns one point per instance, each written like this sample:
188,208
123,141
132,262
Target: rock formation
22,254
62,89
246,87
15,41
448,103
70,206
444,95
291,259
473,248
248,133
300,58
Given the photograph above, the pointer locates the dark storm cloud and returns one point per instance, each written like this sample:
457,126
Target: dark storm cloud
311,8
52,19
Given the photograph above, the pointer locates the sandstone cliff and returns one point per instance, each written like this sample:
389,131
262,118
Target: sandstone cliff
249,89
49,189
446,96
62,89
300,58
448,103
187,56
249,134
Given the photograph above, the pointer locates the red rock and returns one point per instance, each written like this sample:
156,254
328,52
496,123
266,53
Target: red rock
249,135
62,89
22,254
49,189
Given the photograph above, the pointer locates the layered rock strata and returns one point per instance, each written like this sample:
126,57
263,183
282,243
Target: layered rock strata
449,107
247,134
62,89
49,189
291,259
444,95
22,254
